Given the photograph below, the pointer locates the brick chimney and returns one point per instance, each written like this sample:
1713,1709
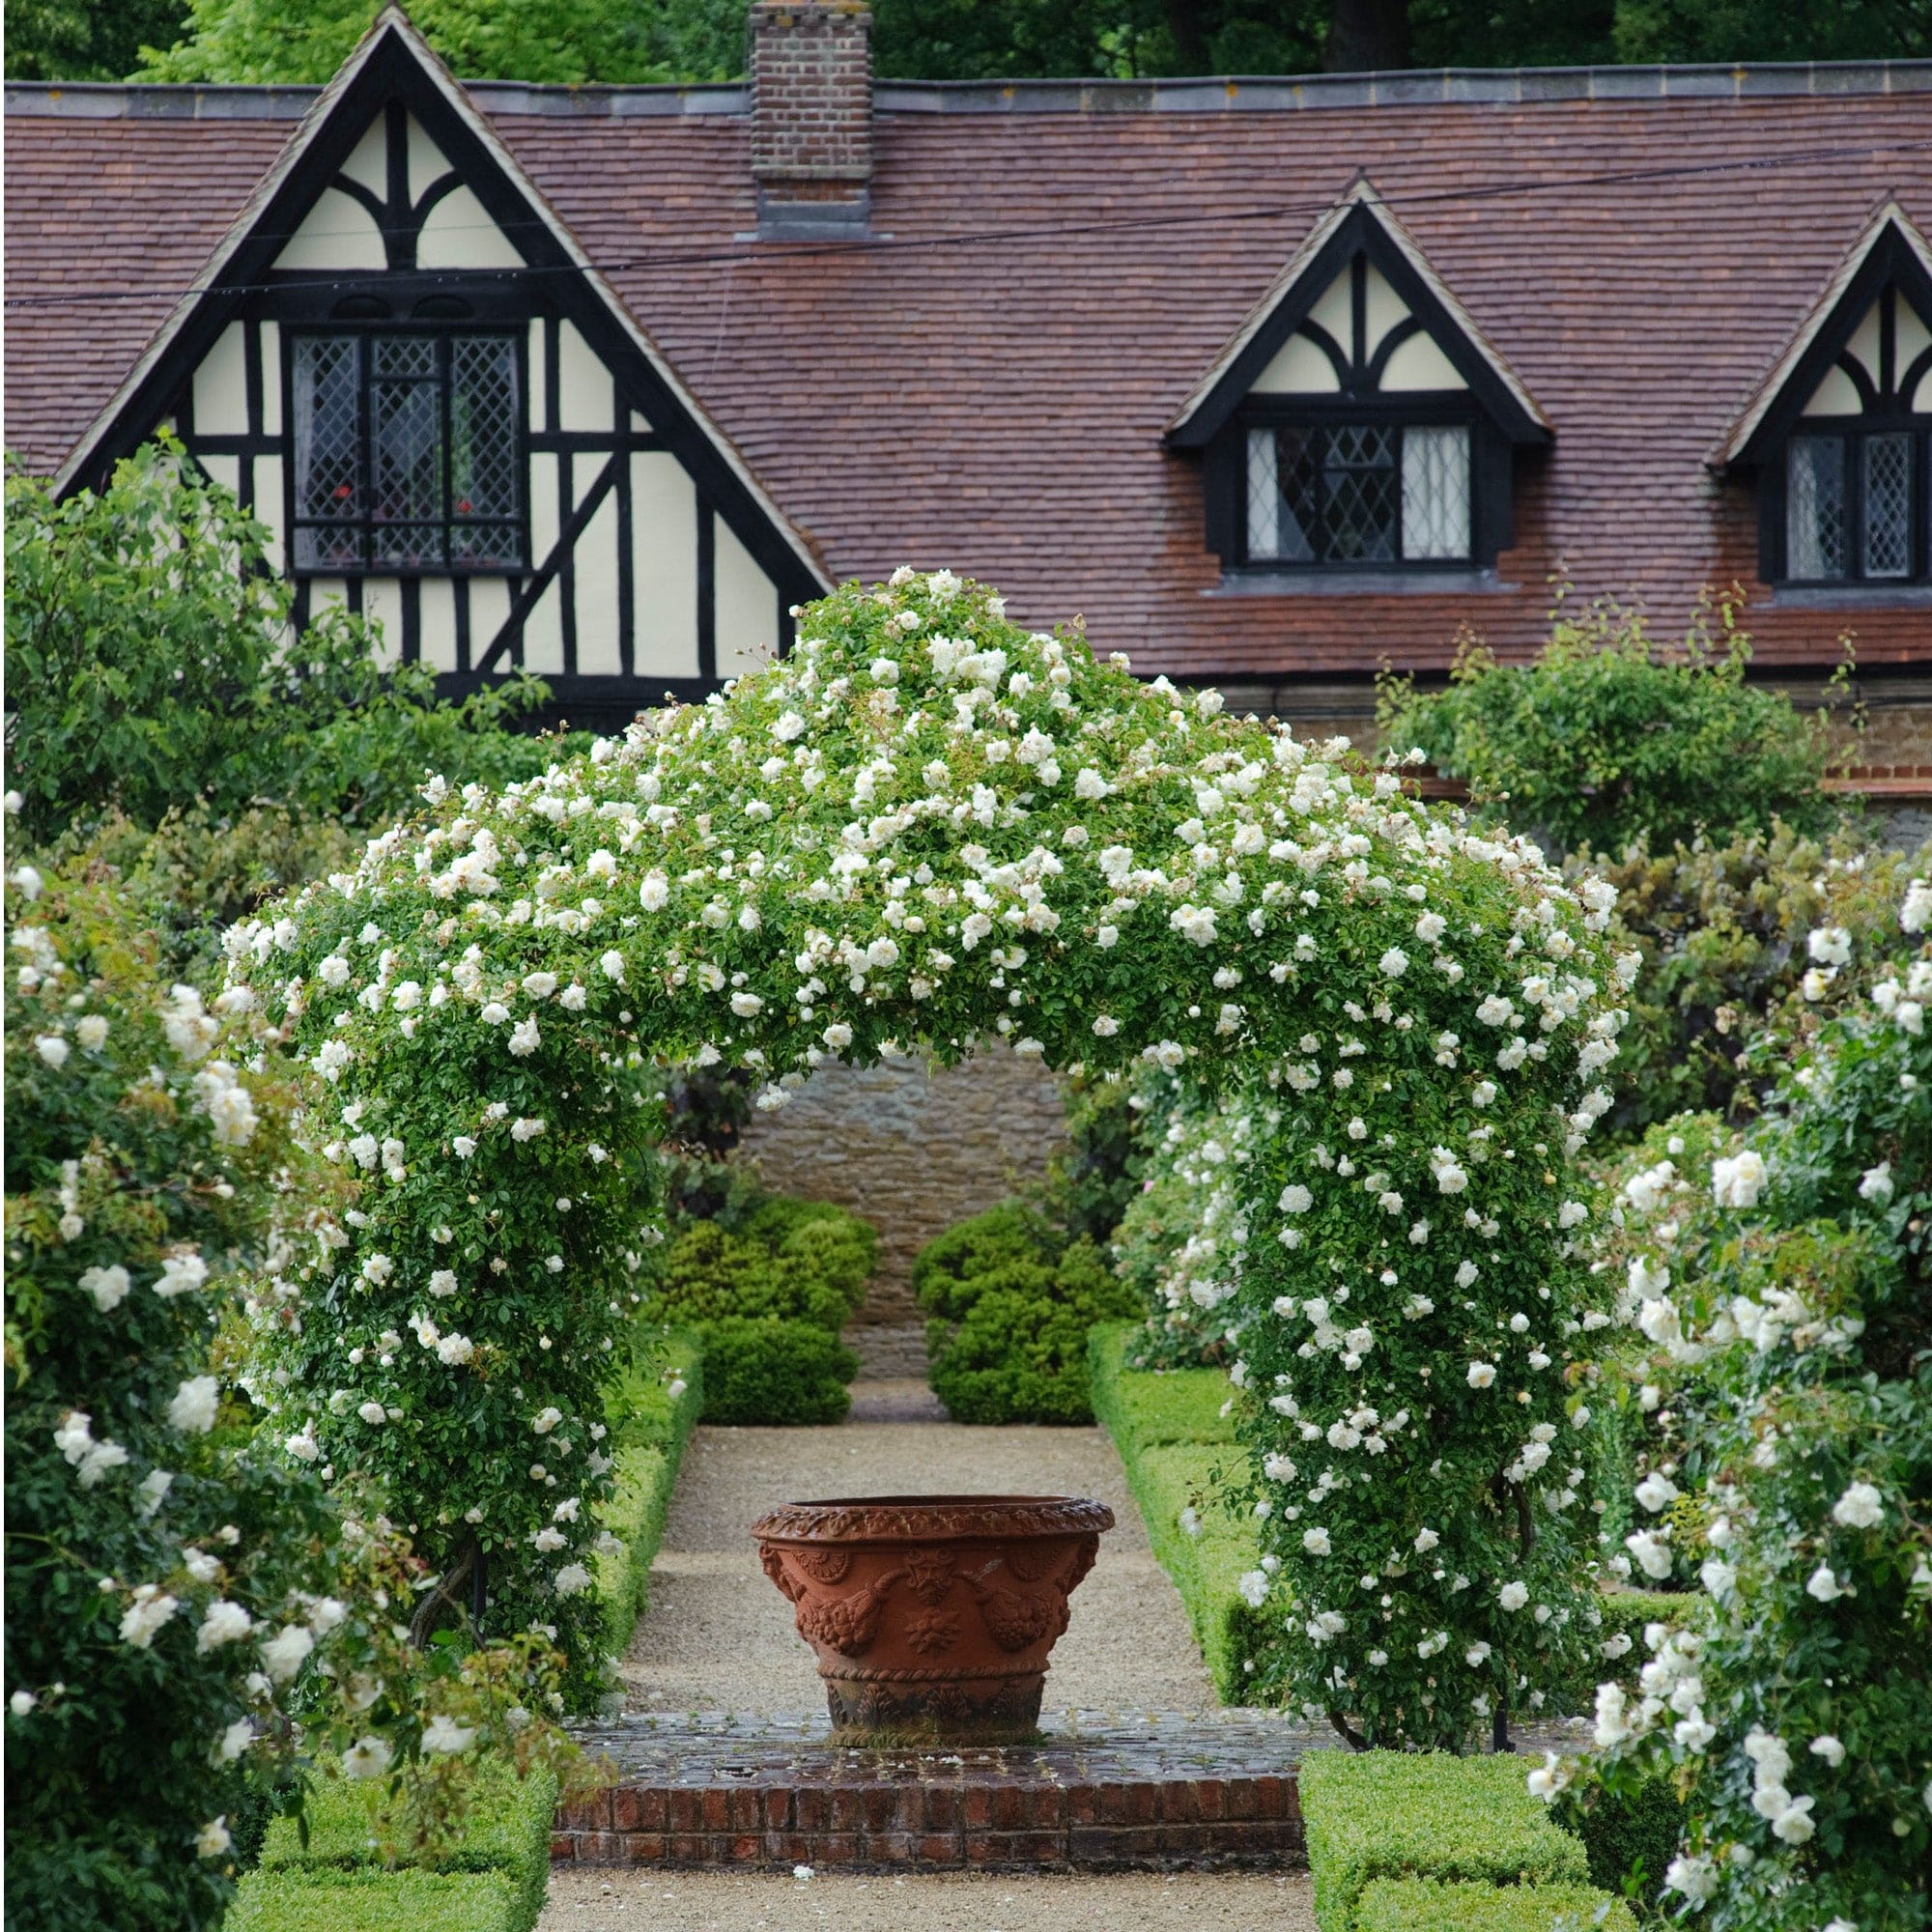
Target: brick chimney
811,117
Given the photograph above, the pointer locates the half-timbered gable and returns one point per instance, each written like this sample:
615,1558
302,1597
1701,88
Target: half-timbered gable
400,361
1840,433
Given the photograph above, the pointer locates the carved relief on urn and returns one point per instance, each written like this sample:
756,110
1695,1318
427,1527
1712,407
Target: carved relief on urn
933,1616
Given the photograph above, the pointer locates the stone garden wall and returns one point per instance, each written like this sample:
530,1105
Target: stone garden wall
913,1149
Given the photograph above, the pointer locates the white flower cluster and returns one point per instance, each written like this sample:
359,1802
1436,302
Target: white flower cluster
924,823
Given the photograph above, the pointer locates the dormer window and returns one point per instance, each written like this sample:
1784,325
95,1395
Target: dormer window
1840,435
1358,425
1358,493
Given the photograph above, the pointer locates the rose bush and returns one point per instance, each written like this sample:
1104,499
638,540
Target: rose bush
180,1593
921,825
1781,1285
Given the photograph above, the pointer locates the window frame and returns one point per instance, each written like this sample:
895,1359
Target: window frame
443,330
1852,432
1397,410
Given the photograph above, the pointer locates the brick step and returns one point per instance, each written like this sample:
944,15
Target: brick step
1160,1794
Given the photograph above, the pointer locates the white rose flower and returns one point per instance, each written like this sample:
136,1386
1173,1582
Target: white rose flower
213,1839
1860,1507
1513,1596
285,1652
51,1048
108,1286
654,892
1480,1375
1823,1585
192,1407
92,1032
367,1757
1736,1183
442,1734
222,1623
373,1414
1316,1541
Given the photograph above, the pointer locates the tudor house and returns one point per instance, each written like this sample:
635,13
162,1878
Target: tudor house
1272,384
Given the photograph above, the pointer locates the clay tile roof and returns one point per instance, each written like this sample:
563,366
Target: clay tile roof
987,382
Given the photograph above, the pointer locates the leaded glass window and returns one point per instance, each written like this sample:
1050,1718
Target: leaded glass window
407,452
1853,509
1358,494
1815,508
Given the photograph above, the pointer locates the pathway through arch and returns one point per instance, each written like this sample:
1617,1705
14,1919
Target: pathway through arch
718,1639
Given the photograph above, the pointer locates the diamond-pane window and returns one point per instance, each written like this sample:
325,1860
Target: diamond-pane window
1358,493
407,452
1815,508
1888,506
1436,493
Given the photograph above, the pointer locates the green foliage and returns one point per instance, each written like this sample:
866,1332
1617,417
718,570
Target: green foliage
344,1877
379,1901
153,669
766,1288
1723,932
123,1151
230,40
1095,1174
946,39
85,39
1011,1301
1409,1904
196,873
1606,738
1399,1815
773,1373
805,1260
1177,1449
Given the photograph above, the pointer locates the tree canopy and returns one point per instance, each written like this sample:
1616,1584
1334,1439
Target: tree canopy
619,41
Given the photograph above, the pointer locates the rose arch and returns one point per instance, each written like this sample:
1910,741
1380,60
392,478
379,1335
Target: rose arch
923,826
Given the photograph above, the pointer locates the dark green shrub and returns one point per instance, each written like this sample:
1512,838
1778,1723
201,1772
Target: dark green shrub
1607,737
772,1373
776,1279
1011,1303
1629,1838
815,1272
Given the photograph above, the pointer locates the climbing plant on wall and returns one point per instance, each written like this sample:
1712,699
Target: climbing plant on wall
925,825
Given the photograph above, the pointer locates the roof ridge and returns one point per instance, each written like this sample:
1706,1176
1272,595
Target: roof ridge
1447,87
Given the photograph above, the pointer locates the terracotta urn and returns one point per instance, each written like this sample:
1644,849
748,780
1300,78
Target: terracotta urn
933,1616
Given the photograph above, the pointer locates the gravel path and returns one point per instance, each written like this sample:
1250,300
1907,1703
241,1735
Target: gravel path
590,1900
719,1637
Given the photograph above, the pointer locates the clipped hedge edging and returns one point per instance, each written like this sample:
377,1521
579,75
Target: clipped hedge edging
493,1879
1428,1905
411,1900
649,1448
1380,1815
1171,1435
